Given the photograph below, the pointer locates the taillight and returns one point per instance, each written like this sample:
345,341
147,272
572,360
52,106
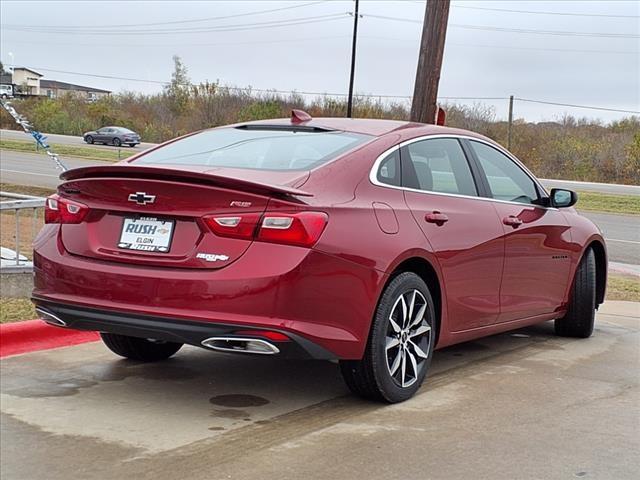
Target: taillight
63,210
302,228
234,226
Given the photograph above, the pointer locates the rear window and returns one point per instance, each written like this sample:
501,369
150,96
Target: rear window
256,149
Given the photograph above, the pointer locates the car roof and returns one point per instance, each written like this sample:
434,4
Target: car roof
367,126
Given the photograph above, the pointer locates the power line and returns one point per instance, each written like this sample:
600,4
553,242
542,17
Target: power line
302,21
180,45
221,28
327,37
577,106
571,14
247,89
174,22
334,94
514,30
541,49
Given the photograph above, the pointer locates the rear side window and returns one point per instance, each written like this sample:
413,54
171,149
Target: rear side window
266,149
506,179
437,165
389,170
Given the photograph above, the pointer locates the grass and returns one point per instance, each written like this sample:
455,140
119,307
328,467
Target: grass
27,189
30,225
16,310
89,153
623,287
601,202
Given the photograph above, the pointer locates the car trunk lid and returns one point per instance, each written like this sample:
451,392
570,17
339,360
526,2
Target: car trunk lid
154,215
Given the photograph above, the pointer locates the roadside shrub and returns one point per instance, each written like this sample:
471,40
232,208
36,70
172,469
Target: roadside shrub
570,148
260,111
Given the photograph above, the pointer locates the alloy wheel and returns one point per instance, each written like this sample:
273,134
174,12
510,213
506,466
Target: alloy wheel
408,338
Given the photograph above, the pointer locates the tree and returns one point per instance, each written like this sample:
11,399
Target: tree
179,87
2,70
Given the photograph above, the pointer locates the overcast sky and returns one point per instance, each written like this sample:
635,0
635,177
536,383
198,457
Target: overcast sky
576,67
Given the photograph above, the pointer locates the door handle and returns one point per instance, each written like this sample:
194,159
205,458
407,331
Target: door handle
512,220
436,217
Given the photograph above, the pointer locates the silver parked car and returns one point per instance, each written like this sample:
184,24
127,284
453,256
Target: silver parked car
113,136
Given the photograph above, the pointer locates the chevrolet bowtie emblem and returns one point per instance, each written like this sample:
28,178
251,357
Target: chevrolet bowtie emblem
141,198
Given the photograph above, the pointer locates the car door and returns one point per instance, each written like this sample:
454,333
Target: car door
537,238
101,135
461,228
110,135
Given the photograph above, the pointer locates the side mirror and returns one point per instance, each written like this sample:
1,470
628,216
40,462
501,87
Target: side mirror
561,198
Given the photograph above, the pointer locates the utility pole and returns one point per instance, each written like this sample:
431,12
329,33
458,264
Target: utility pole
353,60
434,32
510,128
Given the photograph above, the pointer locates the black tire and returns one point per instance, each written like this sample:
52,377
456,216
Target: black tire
132,144
139,349
371,377
116,142
579,319
89,139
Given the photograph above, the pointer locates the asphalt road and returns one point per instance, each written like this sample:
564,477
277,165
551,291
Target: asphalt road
528,405
572,185
621,231
610,188
34,169
62,139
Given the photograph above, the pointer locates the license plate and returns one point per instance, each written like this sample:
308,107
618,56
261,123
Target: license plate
146,234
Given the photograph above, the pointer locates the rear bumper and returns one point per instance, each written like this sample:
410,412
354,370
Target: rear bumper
322,299
168,329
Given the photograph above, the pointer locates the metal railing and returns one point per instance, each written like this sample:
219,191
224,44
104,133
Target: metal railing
19,204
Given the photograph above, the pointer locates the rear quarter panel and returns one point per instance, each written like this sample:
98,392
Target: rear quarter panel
354,234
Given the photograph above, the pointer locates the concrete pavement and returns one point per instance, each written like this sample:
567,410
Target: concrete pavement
522,405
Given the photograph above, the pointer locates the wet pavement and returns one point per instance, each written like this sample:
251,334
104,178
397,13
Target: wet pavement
520,405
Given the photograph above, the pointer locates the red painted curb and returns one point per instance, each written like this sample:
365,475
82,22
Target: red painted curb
33,335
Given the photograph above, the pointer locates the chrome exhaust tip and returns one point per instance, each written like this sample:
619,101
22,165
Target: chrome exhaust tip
241,345
50,318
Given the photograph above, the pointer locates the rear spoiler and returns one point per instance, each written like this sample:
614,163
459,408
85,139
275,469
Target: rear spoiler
163,173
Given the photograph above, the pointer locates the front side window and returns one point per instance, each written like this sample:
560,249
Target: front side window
256,148
506,179
437,165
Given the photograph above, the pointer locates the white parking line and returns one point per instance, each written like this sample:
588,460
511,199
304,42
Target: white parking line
29,173
622,241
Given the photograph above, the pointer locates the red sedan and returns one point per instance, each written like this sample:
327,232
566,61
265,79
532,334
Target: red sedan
372,242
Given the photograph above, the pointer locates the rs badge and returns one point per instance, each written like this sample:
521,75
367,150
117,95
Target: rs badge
212,257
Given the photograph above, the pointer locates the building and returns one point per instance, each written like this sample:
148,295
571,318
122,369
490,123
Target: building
55,89
26,81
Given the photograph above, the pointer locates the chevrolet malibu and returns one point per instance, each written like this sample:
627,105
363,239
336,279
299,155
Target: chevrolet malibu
115,136
371,242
